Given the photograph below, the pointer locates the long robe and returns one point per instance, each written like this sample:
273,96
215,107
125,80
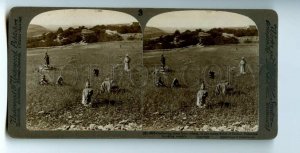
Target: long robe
242,66
201,97
126,64
163,61
47,59
87,96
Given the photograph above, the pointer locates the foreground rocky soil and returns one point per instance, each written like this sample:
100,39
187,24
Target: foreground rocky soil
124,125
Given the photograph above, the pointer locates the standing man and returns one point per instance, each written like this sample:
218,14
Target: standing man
163,61
126,63
243,66
47,59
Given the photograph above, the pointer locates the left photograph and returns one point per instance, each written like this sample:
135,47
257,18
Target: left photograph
83,71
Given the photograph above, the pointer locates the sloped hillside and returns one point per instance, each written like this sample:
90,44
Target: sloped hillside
152,32
36,30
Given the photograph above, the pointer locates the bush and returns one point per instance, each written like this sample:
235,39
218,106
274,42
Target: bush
131,38
91,38
189,38
247,41
74,35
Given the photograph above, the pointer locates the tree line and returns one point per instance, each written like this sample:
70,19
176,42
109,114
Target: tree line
74,35
187,38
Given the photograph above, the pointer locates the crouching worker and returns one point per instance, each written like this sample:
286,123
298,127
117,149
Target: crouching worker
87,94
43,80
159,83
201,96
60,81
175,83
108,86
222,88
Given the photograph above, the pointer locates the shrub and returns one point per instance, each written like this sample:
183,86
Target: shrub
247,41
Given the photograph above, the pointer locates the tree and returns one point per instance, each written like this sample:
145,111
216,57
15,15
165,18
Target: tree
50,36
60,30
177,33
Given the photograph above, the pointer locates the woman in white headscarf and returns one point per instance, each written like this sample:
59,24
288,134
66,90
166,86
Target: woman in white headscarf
201,96
87,94
243,66
126,63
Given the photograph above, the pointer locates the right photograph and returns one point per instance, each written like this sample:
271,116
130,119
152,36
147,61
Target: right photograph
203,72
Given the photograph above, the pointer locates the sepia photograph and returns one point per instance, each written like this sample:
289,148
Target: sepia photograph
83,71
94,69
204,72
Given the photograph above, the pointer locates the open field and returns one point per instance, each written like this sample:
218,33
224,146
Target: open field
175,109
140,105
54,107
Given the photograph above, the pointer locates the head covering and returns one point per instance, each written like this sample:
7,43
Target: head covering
87,84
202,86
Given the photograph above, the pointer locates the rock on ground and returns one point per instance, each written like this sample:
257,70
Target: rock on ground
108,127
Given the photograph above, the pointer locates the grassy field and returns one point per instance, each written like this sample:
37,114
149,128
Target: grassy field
140,105
51,107
175,109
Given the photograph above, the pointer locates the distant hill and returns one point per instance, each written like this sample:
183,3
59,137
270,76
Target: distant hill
152,32
36,30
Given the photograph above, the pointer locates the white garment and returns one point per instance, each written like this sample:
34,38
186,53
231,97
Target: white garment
126,64
87,96
242,66
222,88
59,80
107,85
201,97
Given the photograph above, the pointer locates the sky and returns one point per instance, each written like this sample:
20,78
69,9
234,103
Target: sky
199,19
78,17
190,19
